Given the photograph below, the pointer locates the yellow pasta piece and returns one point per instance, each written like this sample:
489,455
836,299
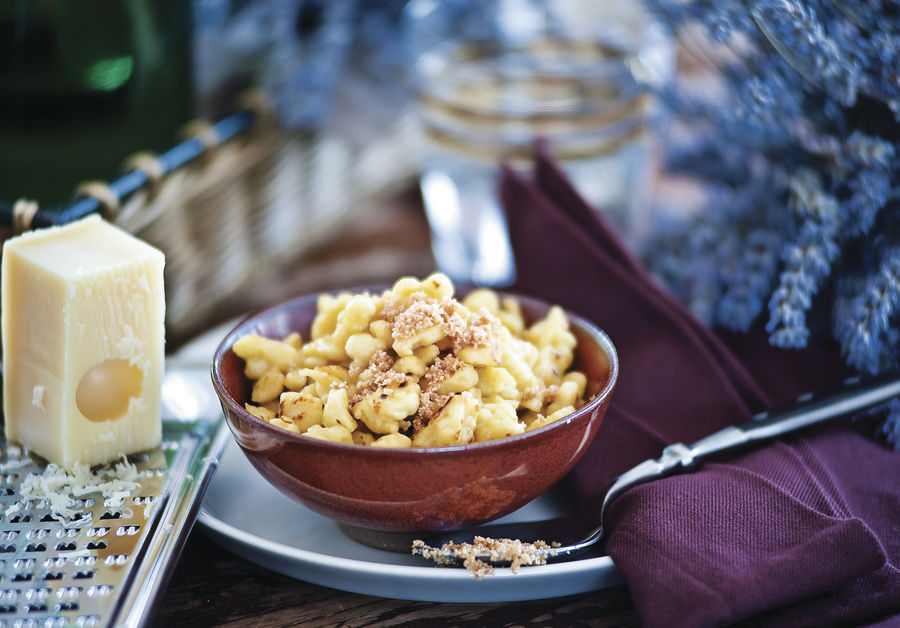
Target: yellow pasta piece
303,408
383,409
381,329
496,380
482,298
497,420
542,420
327,309
361,437
566,396
260,411
268,386
278,354
356,315
411,365
290,426
479,356
361,347
337,410
255,367
455,425
395,441
462,379
334,433
438,286
485,374
423,337
294,339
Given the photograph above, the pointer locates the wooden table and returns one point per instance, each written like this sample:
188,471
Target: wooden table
212,587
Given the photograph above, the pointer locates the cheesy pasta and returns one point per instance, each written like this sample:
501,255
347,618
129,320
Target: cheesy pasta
415,367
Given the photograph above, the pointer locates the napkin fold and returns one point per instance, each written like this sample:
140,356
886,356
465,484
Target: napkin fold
805,531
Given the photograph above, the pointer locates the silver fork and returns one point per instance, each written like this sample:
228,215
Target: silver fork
854,396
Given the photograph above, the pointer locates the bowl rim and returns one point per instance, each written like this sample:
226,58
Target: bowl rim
600,336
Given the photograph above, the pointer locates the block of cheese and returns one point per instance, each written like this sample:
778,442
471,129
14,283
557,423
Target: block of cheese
83,313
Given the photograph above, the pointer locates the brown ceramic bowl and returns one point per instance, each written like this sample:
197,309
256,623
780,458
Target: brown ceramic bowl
412,490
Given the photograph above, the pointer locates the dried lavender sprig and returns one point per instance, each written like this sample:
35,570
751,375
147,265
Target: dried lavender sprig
795,30
890,429
807,260
864,311
748,280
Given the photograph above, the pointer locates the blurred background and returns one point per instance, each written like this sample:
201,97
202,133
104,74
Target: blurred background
362,101
745,151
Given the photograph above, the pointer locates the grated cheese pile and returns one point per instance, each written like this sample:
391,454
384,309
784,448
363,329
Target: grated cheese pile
60,487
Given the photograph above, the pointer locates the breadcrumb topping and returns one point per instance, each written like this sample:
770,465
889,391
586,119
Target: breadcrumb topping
378,374
513,551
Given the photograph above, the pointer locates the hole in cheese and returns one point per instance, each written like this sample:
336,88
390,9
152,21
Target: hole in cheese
105,390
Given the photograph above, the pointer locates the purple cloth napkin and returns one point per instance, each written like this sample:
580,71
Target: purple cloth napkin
800,532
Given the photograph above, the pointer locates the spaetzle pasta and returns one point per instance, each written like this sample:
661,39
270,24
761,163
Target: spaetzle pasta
415,367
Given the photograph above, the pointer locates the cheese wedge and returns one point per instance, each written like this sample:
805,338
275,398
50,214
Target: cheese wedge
83,320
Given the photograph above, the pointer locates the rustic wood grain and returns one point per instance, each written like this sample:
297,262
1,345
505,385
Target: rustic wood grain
212,587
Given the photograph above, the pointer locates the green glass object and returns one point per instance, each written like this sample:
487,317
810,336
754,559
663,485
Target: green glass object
83,85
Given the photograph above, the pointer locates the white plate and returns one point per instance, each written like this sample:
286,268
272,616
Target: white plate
248,516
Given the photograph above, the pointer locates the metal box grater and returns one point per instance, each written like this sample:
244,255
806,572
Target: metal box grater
107,565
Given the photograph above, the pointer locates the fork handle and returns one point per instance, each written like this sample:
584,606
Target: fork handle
855,395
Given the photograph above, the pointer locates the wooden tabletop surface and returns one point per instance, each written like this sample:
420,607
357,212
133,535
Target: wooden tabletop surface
213,587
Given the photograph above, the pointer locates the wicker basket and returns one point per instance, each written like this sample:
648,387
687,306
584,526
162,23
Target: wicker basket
259,201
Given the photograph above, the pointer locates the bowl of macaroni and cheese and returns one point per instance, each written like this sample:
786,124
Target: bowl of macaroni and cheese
412,408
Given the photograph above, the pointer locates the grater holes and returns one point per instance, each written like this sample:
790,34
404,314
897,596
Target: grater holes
39,607
69,593
8,596
84,561
67,606
84,574
8,608
67,532
38,594
87,621
129,530
66,546
98,531
20,519
54,561
36,547
7,491
22,577
96,545
142,500
8,535
111,514
99,590
115,559
6,549
52,575
37,534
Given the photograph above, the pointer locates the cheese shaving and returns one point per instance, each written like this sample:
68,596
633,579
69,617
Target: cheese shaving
59,487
